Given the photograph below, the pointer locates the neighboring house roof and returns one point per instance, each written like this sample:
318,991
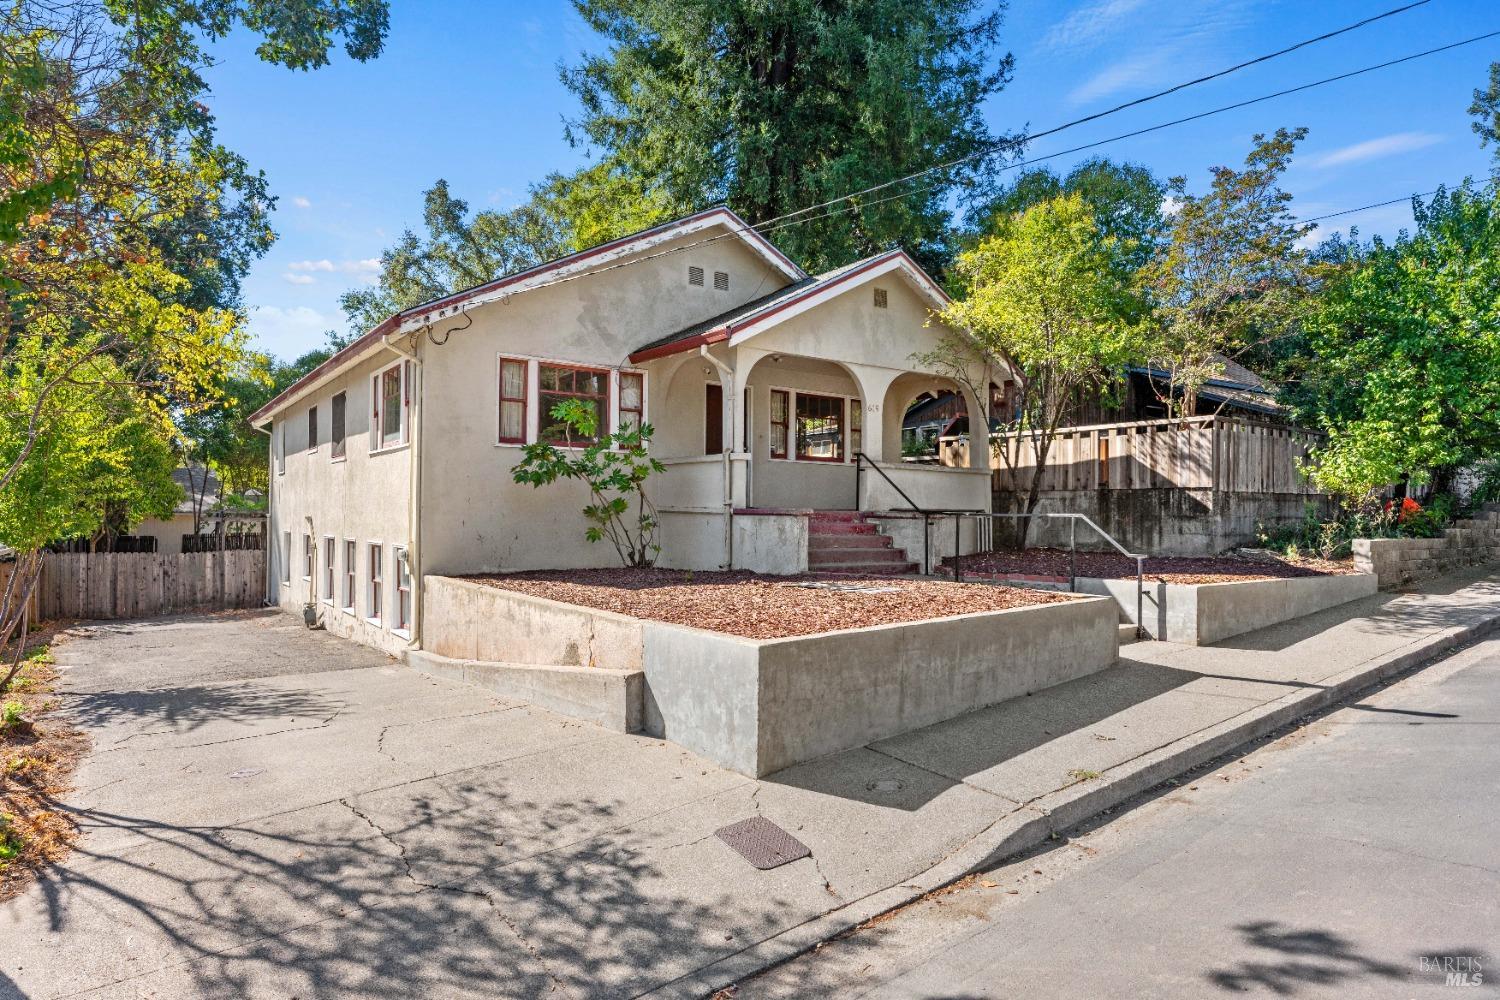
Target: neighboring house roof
199,479
513,284
1237,385
738,325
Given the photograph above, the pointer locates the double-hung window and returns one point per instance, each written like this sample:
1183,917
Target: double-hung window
374,596
328,572
402,605
632,400
856,427
780,409
390,392
336,425
820,428
312,428
308,557
512,401
565,383
350,552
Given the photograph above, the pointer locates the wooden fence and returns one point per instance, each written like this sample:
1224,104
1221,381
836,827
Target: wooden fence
142,584
1229,454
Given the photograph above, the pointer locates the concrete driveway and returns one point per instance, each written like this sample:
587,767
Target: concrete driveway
275,812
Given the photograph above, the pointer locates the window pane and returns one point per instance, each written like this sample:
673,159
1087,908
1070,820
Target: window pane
390,406
630,392
512,421
336,428
512,379
778,407
555,430
820,427
557,379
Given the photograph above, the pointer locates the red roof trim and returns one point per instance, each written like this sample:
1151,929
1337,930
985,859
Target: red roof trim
740,227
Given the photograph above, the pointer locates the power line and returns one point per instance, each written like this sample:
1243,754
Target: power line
1023,140
1378,204
790,219
1175,122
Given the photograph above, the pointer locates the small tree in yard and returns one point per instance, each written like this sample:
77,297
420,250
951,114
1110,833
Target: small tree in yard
615,467
1047,296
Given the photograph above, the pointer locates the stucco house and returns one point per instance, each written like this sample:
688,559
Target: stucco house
393,459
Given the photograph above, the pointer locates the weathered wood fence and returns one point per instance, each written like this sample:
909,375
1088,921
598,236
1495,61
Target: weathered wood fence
1229,454
142,584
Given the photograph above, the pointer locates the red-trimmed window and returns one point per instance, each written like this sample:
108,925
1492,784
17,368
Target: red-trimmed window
512,401
632,400
780,405
557,383
856,427
336,431
328,568
820,428
403,590
391,400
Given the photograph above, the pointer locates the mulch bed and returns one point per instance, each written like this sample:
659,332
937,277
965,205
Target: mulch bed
1113,566
36,768
764,607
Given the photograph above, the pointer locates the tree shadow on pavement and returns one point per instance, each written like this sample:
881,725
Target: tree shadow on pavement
178,710
300,906
1300,958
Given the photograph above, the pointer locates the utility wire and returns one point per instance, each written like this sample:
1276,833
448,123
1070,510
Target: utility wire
1024,140
1378,204
783,221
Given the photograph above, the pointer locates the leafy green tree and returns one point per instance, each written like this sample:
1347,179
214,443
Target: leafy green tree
1231,275
775,107
1403,369
1047,297
615,468
1125,198
1486,114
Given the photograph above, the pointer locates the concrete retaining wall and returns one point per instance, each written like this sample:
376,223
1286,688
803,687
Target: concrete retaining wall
608,698
757,706
1401,561
1196,614
470,621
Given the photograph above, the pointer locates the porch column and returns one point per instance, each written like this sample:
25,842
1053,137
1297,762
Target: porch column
873,384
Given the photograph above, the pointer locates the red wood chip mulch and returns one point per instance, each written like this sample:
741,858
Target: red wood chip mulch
765,607
1112,566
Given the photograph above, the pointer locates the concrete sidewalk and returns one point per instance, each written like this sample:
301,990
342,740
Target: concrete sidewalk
373,832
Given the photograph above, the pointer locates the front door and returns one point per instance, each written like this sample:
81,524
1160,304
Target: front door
713,420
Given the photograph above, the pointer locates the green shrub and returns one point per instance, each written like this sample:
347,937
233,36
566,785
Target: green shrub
10,840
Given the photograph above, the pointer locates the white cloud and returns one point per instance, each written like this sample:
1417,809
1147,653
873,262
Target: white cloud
311,265
299,279
301,202
1375,149
1170,206
1089,24
1139,70
365,269
291,330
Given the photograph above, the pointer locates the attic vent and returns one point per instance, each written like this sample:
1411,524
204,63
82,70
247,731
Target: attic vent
880,299
721,281
695,275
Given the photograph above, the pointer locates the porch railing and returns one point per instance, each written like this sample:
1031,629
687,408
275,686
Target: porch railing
928,513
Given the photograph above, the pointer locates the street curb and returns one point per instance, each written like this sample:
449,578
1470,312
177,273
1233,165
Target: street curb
1034,822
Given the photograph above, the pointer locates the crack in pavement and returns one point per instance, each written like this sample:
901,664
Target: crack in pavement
380,740
233,739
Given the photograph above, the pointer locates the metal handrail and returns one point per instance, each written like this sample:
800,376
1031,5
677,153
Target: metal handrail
1074,518
927,513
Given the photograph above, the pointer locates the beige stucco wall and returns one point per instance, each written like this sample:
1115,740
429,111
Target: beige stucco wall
363,498
168,533
476,519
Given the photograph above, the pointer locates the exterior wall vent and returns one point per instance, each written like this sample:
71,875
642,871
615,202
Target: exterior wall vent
695,275
880,298
721,281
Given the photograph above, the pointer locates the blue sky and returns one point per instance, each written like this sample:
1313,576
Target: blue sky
468,91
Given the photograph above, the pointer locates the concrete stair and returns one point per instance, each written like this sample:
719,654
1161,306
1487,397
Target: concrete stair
844,542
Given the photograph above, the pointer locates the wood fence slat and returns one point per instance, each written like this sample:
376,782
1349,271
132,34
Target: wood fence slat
143,584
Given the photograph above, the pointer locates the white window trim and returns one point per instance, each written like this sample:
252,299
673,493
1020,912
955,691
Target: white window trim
312,420
397,551
376,447
791,425
309,557
533,395
351,569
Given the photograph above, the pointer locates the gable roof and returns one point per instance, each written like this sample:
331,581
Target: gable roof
746,321
1237,386
572,265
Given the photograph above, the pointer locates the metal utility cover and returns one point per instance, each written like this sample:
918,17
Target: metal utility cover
763,843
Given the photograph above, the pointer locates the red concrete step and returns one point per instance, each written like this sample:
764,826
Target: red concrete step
836,515
815,527
847,540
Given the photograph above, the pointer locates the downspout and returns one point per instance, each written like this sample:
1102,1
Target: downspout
270,506
413,498
726,377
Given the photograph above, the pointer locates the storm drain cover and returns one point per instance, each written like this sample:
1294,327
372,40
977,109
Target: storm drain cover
763,843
